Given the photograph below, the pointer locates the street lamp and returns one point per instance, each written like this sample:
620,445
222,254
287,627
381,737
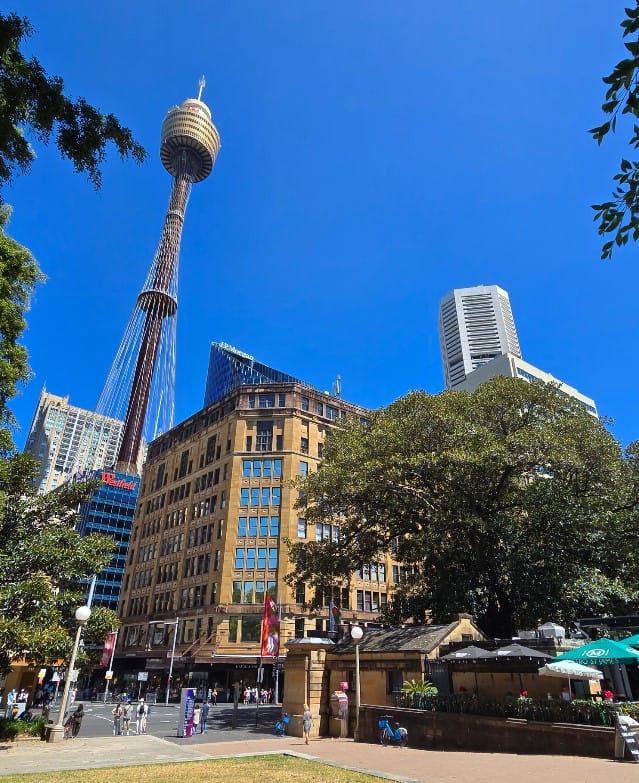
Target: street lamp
357,632
82,614
176,623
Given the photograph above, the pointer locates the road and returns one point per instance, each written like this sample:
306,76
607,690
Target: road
162,722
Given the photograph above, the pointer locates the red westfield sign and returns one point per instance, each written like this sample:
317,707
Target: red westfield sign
112,481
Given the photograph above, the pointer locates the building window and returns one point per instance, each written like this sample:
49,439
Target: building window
233,621
272,558
244,496
263,527
236,595
320,450
275,496
301,528
304,445
331,413
395,574
281,400
305,403
394,681
266,496
303,469
250,557
279,443
275,526
264,438
252,528
249,443
216,566
360,600
277,468
251,400
255,496
300,593
267,400
210,449
239,558
259,592
246,468
251,628
241,527
249,594
257,468
184,463
320,408
299,628
261,558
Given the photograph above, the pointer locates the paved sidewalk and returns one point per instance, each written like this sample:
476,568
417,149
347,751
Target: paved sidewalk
404,764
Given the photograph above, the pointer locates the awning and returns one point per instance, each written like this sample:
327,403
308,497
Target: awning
570,670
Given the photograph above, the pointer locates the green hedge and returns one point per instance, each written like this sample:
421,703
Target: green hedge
10,729
552,711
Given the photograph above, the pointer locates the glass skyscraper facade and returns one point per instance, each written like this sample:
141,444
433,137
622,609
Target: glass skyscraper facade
110,511
230,368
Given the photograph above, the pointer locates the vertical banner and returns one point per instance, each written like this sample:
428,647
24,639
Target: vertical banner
270,629
334,617
185,715
109,644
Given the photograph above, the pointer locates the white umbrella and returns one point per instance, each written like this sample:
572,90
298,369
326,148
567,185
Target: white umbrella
575,671
572,670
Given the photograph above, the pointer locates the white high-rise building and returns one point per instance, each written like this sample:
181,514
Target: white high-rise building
68,441
475,325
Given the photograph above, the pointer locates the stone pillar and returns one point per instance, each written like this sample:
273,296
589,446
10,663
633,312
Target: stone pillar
307,683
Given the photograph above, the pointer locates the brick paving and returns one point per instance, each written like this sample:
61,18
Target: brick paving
405,764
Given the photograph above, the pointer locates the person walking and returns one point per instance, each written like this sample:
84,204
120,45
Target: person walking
140,714
197,715
204,718
214,697
307,723
117,713
127,709
73,722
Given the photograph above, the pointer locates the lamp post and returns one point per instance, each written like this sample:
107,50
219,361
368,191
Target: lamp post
357,632
56,733
176,623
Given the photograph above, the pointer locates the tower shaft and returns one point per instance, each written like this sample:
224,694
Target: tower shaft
157,303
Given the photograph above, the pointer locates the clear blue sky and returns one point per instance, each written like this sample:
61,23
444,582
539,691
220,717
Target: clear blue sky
375,155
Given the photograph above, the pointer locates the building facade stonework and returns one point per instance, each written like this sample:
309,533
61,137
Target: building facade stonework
216,506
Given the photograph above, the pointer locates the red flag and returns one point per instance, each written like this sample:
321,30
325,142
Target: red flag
270,629
109,643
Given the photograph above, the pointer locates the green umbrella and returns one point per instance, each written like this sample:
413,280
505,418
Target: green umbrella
601,652
633,641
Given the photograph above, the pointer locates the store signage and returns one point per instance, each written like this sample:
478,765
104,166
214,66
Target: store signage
112,481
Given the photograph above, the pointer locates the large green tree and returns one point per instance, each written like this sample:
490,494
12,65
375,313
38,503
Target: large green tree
43,560
619,217
32,102
510,502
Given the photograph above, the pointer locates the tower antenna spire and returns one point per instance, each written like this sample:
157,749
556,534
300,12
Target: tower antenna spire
202,84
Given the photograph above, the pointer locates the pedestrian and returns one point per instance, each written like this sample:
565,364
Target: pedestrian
73,723
307,723
23,696
126,717
204,718
214,697
117,713
197,714
140,714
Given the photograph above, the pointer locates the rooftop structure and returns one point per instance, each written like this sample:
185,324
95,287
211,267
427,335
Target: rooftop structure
230,368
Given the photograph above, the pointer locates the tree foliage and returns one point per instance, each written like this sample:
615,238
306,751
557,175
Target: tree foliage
43,560
19,274
619,217
510,502
32,101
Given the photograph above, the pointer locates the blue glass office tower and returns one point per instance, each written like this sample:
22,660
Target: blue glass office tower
110,511
230,368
